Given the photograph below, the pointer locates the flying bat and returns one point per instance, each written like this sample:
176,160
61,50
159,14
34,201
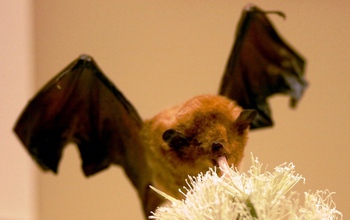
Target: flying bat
83,106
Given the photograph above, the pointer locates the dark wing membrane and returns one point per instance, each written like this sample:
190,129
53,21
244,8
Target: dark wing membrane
260,65
81,105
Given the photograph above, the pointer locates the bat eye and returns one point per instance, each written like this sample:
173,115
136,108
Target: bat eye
175,139
216,146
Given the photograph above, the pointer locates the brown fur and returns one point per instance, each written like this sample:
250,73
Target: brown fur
205,120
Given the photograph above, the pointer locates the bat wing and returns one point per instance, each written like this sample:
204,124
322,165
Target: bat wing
81,105
261,64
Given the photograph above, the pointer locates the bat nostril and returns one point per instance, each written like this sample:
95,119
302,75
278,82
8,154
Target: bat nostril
216,146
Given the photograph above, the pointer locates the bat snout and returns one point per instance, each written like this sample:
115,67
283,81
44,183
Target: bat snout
216,147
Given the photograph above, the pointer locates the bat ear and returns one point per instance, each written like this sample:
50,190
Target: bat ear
175,139
243,121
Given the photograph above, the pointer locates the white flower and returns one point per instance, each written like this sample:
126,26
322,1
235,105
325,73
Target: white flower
254,195
319,206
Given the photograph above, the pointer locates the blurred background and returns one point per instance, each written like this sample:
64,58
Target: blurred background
160,53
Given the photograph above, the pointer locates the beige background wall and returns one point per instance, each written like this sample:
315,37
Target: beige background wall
162,52
18,179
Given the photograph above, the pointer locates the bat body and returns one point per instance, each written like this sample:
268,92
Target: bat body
81,105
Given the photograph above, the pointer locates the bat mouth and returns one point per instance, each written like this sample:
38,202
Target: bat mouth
219,161
222,161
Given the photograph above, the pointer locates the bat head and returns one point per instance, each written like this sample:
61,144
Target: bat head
206,128
189,138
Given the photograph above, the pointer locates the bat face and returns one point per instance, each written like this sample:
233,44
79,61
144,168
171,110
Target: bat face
189,138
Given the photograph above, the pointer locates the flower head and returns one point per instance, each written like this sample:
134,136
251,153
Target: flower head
257,194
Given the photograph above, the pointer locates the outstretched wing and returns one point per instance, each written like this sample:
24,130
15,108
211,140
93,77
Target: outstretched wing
81,105
260,65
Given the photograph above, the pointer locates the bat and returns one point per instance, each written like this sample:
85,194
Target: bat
83,106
